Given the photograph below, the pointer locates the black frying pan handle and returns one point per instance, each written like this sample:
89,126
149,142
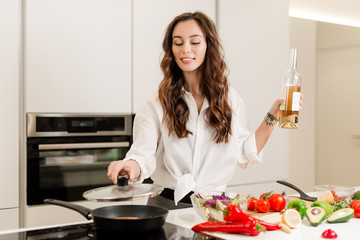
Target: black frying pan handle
292,186
86,212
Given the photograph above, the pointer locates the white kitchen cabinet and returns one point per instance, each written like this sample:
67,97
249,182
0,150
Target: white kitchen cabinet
9,219
78,56
255,36
9,109
150,21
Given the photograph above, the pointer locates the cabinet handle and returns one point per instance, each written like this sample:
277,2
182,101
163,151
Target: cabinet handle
63,146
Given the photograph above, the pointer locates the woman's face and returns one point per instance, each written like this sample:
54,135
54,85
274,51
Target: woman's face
188,45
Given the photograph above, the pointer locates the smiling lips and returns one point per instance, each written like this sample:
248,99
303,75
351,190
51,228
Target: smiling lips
187,59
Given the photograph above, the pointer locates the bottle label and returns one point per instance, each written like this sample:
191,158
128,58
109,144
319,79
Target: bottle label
295,101
282,106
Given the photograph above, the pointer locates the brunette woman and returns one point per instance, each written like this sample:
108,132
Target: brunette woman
192,134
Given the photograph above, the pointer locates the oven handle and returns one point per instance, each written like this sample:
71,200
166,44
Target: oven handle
63,146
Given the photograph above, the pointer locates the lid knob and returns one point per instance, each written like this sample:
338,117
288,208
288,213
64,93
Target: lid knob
123,180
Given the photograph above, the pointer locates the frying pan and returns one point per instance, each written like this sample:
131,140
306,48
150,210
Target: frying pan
120,217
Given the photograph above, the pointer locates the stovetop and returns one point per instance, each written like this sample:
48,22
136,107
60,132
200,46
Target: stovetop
88,231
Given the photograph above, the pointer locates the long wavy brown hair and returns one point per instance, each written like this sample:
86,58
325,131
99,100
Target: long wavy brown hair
214,83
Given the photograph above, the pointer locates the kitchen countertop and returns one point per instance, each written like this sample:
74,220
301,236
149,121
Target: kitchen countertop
350,230
187,218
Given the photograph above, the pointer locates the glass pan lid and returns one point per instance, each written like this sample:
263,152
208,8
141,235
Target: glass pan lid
123,191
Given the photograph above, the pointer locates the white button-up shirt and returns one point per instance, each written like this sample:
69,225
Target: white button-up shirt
195,163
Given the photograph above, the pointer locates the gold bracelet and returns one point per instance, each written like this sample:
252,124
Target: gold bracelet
270,120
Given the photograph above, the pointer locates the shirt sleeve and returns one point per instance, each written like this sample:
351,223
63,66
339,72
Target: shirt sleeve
145,138
246,142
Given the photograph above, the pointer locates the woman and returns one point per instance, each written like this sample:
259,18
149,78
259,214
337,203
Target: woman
193,133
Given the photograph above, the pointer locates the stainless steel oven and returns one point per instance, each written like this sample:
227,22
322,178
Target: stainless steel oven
68,154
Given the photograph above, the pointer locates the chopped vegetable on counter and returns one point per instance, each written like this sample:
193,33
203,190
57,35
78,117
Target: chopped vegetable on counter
342,215
277,202
355,204
298,205
262,205
249,227
329,234
234,213
252,203
340,204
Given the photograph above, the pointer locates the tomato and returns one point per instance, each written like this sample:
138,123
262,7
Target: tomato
329,234
357,213
355,204
265,195
262,205
252,203
338,198
277,202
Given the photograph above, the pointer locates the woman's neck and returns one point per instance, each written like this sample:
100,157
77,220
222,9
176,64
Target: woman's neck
193,82
193,86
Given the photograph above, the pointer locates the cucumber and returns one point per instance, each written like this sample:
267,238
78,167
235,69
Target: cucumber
342,215
315,215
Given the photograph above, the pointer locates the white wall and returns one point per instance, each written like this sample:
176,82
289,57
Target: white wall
337,126
255,36
302,146
257,43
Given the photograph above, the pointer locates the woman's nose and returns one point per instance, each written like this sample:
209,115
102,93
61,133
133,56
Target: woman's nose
186,48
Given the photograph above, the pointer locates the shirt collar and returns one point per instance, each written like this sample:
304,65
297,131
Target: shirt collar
205,103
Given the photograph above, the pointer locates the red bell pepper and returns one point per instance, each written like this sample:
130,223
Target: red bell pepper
234,213
249,227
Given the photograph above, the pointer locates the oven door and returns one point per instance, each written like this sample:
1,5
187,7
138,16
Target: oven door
63,168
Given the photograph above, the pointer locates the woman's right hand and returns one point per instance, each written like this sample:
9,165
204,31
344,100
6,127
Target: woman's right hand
130,168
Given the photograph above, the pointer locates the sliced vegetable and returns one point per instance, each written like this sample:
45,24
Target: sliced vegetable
234,213
315,215
326,206
291,218
327,197
329,234
298,205
342,215
285,227
250,227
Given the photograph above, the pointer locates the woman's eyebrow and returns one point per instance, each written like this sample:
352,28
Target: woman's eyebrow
194,35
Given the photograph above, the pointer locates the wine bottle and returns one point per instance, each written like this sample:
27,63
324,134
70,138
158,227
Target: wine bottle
291,87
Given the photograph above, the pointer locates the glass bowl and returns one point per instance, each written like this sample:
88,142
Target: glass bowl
340,192
210,205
